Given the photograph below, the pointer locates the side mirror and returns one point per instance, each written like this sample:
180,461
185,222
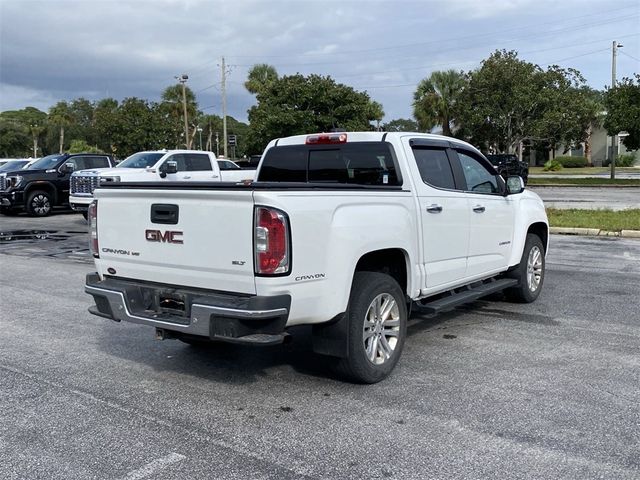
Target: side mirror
67,168
515,185
170,166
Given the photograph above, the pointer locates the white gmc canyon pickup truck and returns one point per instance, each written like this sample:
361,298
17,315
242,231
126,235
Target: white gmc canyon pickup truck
154,166
342,231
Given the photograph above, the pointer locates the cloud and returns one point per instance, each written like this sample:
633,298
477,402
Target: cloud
69,48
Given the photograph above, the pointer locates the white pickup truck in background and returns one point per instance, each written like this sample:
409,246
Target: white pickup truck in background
342,231
154,166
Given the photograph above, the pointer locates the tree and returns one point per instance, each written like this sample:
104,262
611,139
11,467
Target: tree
81,146
105,124
623,111
509,101
60,116
592,116
564,114
260,76
377,113
14,140
500,103
298,104
401,125
29,121
171,106
435,100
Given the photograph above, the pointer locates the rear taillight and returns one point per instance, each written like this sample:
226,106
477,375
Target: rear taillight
92,217
271,242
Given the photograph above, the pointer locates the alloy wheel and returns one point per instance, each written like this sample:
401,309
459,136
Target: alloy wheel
381,328
534,269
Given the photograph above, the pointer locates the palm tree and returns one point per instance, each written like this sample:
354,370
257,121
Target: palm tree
260,76
376,112
60,116
594,118
172,103
434,100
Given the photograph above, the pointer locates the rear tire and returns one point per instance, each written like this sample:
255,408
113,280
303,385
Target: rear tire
377,328
530,272
39,203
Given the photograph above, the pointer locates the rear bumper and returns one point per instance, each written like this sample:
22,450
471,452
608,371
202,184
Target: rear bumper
214,315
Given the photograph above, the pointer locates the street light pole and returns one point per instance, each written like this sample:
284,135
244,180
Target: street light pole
183,80
614,54
224,108
200,133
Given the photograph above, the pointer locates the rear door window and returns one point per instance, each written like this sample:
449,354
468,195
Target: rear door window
434,166
197,162
96,162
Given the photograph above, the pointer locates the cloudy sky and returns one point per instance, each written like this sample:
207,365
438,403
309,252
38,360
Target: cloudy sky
64,49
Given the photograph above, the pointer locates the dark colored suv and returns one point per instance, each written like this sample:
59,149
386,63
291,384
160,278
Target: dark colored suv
508,164
45,184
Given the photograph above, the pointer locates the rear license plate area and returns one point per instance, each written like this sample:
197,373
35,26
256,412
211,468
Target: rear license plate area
172,303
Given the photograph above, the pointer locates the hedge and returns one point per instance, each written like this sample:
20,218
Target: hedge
572,162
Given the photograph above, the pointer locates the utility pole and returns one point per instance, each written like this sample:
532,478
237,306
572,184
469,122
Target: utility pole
217,145
224,108
183,80
614,54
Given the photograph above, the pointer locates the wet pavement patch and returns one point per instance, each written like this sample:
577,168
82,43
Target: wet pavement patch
17,235
71,244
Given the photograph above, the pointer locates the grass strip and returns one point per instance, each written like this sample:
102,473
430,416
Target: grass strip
602,219
582,170
589,182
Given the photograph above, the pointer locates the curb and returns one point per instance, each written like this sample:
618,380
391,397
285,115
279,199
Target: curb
594,232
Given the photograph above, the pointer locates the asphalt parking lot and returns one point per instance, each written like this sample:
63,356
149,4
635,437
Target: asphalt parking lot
590,198
490,390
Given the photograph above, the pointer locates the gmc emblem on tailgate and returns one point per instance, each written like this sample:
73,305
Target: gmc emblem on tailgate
166,237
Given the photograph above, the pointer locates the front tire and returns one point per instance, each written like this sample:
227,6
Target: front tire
39,204
529,273
377,327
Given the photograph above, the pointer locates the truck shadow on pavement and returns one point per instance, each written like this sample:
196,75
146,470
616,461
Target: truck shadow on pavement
240,364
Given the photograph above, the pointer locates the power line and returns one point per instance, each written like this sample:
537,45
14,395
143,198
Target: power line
377,49
423,67
196,69
577,56
415,83
468,47
625,53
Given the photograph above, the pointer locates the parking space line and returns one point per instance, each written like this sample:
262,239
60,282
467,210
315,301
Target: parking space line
153,467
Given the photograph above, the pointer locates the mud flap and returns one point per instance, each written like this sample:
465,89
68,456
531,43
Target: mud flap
332,337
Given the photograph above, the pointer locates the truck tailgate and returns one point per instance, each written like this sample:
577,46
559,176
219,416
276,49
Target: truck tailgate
209,245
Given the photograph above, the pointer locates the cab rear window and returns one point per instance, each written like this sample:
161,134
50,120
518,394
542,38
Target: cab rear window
360,163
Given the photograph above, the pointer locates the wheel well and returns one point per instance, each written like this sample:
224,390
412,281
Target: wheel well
541,230
391,261
45,187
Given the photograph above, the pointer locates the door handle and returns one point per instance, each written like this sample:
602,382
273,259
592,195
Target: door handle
434,208
214,176
478,209
187,177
